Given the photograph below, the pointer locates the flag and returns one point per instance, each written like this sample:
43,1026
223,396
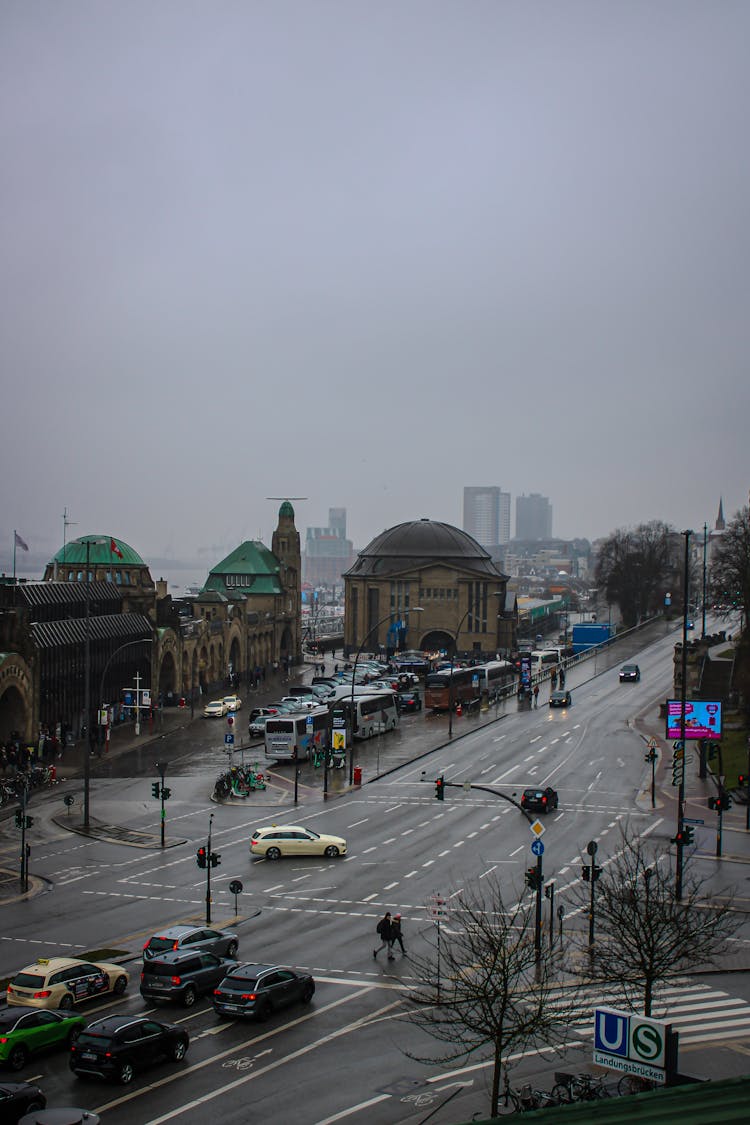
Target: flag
20,543
114,549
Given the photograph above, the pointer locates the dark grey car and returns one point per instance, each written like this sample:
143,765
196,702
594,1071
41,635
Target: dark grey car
182,976
191,938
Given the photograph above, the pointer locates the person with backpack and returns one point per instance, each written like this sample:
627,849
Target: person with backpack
384,930
397,936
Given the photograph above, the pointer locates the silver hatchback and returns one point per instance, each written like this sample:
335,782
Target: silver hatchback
191,938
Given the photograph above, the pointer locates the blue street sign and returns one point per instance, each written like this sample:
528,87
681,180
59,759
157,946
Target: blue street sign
229,740
309,722
537,847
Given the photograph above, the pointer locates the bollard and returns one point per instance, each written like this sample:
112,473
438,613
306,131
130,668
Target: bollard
357,775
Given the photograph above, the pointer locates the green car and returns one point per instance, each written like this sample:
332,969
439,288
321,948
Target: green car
25,1031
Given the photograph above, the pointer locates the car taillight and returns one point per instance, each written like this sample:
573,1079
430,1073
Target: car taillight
176,980
142,976
108,1054
249,996
146,945
175,945
42,995
217,992
544,800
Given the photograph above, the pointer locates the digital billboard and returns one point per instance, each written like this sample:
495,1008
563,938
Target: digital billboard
702,719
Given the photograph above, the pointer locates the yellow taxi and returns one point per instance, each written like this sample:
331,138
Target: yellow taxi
277,840
62,982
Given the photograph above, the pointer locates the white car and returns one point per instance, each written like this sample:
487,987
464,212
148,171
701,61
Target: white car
277,840
232,702
215,710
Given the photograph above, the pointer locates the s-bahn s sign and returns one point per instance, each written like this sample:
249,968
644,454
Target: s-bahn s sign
636,1044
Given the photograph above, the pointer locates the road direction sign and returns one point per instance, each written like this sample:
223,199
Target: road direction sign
691,820
537,847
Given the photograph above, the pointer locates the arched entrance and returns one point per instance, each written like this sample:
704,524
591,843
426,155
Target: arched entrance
167,679
438,641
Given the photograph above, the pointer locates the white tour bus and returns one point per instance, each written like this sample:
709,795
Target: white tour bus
373,714
292,737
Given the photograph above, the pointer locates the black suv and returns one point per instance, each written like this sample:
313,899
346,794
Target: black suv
539,800
257,990
118,1046
183,976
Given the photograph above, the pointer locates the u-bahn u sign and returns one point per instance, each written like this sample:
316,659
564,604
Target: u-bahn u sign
636,1044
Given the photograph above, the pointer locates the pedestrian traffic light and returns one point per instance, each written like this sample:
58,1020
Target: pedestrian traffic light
741,780
714,804
531,878
440,788
155,789
689,834
201,857
215,858
549,890
586,873
166,793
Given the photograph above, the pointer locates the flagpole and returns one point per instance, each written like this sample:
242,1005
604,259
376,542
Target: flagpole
14,555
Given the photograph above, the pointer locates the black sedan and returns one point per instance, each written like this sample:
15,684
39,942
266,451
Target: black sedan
409,701
539,800
630,673
560,699
258,990
118,1046
18,1099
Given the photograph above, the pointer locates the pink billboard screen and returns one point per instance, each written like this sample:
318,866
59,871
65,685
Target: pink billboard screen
702,719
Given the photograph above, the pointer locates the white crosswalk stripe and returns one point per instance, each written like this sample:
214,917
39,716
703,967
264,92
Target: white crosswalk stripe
699,1013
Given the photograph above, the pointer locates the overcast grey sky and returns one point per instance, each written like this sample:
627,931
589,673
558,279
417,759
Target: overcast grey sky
369,253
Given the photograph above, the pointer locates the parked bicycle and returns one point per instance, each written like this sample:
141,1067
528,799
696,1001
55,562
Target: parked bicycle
526,1098
578,1087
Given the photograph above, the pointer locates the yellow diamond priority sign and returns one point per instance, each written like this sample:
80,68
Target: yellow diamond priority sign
537,828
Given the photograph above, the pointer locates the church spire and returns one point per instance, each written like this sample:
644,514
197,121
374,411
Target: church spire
720,525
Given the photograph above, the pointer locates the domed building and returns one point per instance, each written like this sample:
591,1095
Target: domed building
98,595
428,585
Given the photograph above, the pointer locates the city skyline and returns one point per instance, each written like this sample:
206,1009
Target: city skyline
359,252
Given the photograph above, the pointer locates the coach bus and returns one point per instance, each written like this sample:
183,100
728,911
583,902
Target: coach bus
292,737
464,684
545,659
372,714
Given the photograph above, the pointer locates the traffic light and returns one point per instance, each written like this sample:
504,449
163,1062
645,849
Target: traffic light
155,789
440,788
741,780
586,873
725,801
166,793
678,771
23,821
531,878
714,804
685,837
595,872
215,858
201,857
689,834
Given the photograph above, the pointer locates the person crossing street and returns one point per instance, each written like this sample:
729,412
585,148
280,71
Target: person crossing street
384,930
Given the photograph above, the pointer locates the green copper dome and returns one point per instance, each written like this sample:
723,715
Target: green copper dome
250,569
101,552
287,510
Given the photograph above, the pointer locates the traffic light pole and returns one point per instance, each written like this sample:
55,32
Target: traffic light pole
538,913
592,848
683,704
162,772
208,872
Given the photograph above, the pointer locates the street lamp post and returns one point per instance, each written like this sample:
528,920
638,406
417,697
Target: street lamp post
450,681
360,650
88,543
683,704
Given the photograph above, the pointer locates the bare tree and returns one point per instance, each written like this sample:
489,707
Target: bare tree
635,567
481,985
730,564
644,936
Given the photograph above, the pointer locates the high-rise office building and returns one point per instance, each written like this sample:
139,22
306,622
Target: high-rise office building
533,517
328,553
487,514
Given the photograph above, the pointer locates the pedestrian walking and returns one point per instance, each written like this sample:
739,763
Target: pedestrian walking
396,931
562,678
553,678
384,930
536,695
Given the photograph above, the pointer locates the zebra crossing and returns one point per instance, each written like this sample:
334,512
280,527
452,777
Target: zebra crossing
700,1013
